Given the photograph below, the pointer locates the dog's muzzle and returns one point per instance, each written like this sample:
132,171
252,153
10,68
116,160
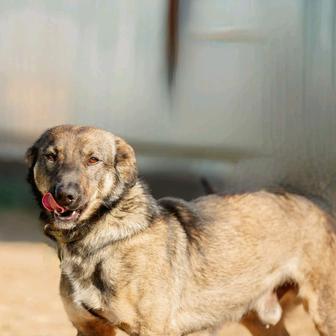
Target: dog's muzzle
61,213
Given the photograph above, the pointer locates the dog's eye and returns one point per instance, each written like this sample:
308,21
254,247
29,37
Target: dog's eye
51,157
93,160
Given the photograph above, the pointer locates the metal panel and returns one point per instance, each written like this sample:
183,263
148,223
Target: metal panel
91,62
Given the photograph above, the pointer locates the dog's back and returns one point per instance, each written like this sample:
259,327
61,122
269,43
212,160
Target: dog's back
255,242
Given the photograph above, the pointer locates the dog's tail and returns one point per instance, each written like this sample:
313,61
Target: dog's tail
207,186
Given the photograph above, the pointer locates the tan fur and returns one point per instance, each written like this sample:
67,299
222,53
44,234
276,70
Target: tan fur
173,267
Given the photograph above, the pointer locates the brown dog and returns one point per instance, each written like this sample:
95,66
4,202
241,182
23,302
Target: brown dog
172,267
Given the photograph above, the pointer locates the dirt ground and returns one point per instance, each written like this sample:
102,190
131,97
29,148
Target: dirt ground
29,275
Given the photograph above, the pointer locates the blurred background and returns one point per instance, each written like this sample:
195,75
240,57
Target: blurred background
238,92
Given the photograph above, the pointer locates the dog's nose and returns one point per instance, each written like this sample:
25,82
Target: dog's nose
67,195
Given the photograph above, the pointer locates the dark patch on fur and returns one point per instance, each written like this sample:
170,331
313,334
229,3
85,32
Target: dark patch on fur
185,214
127,329
98,280
93,312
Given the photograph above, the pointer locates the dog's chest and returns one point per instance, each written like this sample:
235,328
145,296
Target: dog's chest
88,291
82,283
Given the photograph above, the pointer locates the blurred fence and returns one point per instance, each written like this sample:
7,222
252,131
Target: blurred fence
92,62
249,78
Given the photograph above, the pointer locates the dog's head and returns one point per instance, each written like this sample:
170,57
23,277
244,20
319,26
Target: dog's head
75,171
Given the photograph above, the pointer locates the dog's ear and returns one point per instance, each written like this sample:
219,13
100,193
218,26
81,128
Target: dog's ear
31,156
32,152
125,162
31,159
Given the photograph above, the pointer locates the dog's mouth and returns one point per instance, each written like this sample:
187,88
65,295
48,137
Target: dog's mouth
60,213
67,215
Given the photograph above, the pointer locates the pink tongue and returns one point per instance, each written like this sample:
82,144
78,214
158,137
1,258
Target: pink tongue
50,204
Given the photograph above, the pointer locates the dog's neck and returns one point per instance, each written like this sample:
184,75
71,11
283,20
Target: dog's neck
132,213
